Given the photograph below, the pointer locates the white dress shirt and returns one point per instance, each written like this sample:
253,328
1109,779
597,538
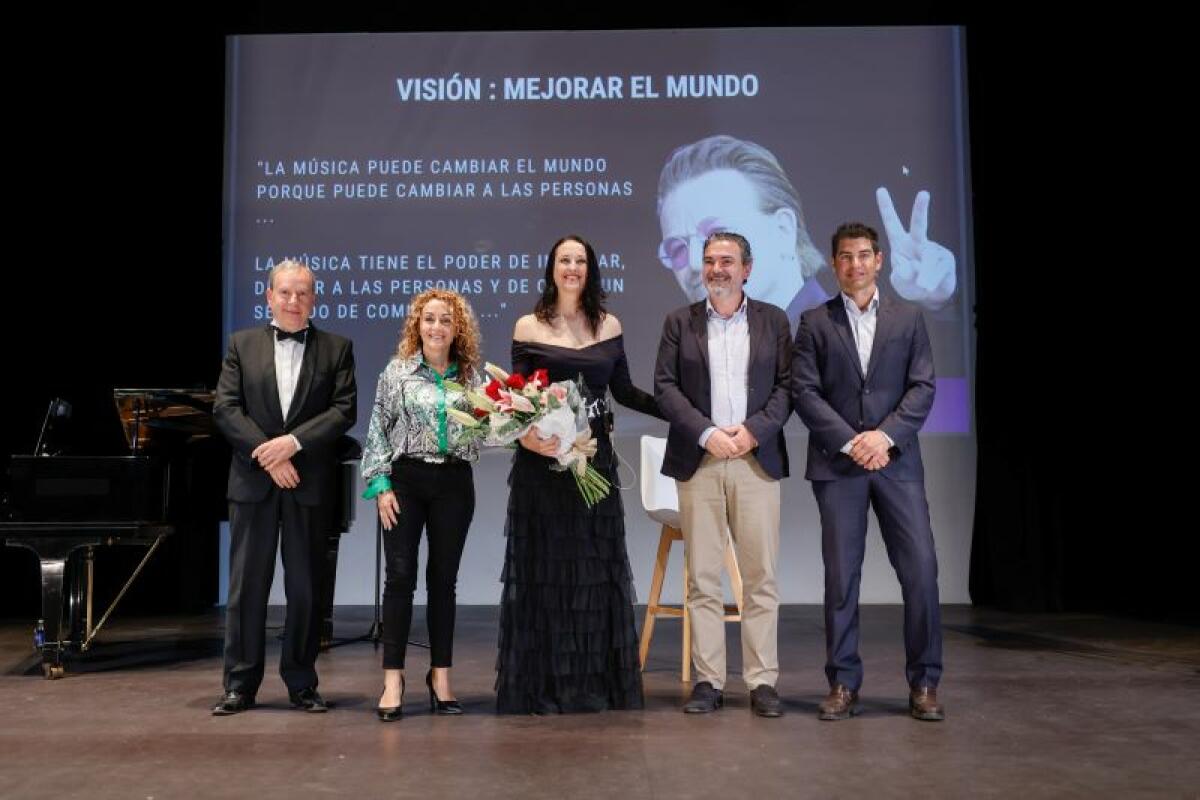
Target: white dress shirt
728,367
289,356
862,325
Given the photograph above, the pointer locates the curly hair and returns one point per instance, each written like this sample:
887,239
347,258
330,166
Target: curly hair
592,301
464,350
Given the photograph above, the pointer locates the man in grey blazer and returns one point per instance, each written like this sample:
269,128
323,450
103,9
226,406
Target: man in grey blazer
862,381
722,381
285,397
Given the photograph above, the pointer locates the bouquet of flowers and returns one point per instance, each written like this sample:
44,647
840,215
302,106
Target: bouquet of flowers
507,407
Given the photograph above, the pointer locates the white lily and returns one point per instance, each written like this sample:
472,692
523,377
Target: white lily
462,418
481,401
496,372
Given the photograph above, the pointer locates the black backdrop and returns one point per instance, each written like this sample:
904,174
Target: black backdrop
109,286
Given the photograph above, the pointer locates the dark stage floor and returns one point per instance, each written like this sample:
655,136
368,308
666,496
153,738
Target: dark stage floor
1037,706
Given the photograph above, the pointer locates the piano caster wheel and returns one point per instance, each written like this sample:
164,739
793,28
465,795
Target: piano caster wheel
52,671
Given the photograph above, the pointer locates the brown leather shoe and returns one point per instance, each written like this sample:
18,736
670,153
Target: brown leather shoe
923,704
840,704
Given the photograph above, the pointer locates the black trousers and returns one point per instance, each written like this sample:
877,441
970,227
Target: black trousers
439,499
256,530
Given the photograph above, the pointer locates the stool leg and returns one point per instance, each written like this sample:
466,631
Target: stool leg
656,582
687,623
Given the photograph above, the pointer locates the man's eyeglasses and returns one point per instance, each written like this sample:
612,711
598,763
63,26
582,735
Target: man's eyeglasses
675,252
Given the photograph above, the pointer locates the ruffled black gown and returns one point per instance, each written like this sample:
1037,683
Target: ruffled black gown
567,636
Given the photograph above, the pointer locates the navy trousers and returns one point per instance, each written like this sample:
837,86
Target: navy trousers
903,514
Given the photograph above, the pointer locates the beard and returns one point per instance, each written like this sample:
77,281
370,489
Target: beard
719,289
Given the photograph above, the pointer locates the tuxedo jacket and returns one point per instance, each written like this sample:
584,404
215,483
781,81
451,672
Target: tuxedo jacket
248,413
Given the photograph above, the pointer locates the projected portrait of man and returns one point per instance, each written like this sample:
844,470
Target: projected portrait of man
722,183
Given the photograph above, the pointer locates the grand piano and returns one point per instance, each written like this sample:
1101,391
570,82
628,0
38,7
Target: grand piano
64,507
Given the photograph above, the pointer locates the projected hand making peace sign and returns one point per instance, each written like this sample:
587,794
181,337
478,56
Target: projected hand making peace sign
922,270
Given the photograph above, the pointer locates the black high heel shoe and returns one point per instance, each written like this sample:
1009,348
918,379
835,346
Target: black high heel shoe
392,713
438,706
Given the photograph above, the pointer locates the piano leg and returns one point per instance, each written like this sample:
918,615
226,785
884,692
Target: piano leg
77,582
53,556
52,591
53,553
90,566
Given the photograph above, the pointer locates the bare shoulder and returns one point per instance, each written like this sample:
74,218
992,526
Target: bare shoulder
526,329
610,327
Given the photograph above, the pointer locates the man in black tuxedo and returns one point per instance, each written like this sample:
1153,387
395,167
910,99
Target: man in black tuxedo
862,381
285,397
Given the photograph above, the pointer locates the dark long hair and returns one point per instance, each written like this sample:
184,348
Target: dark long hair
593,296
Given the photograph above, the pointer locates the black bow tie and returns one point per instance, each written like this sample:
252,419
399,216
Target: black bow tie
299,335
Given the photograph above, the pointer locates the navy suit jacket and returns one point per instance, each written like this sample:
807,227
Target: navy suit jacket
248,413
683,387
837,401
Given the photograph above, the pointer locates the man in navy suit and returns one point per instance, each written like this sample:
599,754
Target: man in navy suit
285,397
862,381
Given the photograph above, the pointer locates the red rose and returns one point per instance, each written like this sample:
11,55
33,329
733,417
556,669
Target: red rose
479,413
492,390
516,381
542,377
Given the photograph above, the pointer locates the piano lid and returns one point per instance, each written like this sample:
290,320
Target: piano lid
164,416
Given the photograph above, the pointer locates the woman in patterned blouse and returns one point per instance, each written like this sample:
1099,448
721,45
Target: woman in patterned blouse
417,466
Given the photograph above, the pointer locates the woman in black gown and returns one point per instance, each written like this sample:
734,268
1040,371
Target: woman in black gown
567,636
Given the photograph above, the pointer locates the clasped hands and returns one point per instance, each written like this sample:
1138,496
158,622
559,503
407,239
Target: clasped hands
275,456
733,441
869,450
